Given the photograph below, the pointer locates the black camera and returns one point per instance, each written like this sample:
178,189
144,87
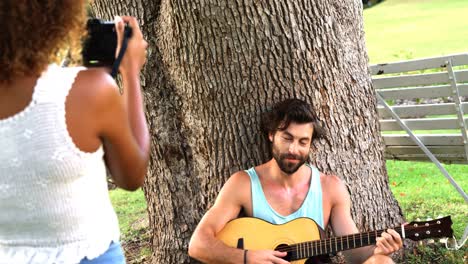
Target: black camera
101,42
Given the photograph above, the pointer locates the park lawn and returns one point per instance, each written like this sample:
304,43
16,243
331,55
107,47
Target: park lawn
130,208
401,29
422,191
398,30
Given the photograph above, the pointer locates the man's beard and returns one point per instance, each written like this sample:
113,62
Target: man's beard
286,166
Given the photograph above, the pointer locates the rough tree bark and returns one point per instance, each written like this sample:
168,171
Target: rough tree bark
215,65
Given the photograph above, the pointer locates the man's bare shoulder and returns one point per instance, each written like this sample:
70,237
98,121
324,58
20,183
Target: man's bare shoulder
333,186
238,181
236,191
330,180
240,176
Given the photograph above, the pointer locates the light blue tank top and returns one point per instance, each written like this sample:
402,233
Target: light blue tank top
311,207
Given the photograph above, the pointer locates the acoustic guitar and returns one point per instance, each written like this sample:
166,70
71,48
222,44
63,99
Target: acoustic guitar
304,240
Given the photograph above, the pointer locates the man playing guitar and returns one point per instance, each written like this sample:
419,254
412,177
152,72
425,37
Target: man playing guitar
282,189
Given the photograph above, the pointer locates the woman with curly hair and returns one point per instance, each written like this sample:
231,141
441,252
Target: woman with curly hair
59,129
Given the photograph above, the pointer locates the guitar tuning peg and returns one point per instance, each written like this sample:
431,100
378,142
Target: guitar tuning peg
418,219
428,219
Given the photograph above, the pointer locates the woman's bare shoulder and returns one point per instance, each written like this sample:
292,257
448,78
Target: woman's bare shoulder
94,88
94,80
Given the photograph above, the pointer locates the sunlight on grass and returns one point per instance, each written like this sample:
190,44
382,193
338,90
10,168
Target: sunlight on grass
131,211
400,29
133,221
422,191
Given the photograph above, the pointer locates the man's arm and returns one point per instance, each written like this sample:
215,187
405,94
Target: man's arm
343,224
204,245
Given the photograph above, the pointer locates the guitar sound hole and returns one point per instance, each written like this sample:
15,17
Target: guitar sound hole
283,248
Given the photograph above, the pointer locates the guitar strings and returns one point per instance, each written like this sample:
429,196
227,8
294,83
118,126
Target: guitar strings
328,243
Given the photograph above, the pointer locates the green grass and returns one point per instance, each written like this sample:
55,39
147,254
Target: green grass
432,253
422,191
131,209
402,29
133,220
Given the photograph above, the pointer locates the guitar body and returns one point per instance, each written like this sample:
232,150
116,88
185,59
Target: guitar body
305,241
255,234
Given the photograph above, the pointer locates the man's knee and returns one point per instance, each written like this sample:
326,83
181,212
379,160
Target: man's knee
379,259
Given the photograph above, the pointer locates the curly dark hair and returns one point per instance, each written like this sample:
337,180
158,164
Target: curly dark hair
287,111
38,32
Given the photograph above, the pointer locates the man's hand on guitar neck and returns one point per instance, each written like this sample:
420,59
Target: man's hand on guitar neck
388,243
265,256
343,224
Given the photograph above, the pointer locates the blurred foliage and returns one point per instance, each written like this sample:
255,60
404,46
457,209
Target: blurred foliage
370,3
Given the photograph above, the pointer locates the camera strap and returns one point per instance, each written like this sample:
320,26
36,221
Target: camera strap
118,60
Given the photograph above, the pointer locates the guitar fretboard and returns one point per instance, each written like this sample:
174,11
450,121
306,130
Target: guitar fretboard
333,245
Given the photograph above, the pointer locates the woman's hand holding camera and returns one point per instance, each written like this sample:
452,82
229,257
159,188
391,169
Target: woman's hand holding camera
135,55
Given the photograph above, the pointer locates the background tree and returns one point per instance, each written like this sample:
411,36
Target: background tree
215,65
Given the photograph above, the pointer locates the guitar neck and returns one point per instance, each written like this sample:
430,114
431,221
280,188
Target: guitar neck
335,244
415,231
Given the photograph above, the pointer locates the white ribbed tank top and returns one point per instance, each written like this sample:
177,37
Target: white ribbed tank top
54,203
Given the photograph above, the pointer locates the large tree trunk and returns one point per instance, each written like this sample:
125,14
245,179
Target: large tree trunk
215,65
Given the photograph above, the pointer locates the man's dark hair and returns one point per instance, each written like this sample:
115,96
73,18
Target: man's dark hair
290,110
